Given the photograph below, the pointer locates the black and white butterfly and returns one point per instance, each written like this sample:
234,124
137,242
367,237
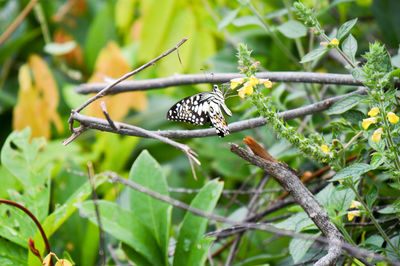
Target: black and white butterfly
202,108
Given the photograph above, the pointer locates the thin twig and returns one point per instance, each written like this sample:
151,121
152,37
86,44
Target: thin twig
17,21
102,249
227,191
103,92
110,121
113,255
176,80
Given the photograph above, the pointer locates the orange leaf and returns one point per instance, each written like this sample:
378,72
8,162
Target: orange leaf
37,99
111,64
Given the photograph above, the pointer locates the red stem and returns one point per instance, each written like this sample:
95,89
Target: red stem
46,241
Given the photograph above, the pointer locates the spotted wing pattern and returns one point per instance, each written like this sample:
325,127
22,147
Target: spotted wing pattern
201,108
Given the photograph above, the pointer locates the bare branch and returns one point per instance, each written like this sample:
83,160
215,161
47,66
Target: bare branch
126,129
110,121
176,80
291,183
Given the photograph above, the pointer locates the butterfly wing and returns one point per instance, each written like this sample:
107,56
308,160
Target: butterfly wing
217,119
192,109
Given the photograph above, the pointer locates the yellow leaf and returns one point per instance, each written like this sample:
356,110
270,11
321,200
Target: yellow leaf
111,64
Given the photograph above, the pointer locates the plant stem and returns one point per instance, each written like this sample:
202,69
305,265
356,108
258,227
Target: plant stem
371,216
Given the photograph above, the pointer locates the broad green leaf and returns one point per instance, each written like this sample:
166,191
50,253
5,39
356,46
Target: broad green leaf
12,254
126,227
349,47
314,54
378,146
156,18
228,18
389,210
101,31
124,13
63,212
292,29
193,227
153,213
341,199
298,248
372,195
134,256
373,242
263,259
247,20
59,48
354,170
345,104
345,28
297,222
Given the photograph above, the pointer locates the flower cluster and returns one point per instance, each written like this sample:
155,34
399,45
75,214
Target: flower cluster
354,210
246,85
373,119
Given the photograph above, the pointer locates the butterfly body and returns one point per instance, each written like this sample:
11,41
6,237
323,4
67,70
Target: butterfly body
201,108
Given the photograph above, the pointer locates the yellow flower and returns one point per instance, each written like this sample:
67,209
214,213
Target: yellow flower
325,148
377,134
247,89
373,112
368,121
352,214
267,83
393,118
236,82
355,204
334,42
253,81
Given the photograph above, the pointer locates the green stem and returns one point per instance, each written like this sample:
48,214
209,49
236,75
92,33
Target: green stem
371,216
272,34
350,142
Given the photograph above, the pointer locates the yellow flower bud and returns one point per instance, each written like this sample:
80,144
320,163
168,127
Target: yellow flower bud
236,82
355,204
373,112
352,214
325,148
267,83
253,81
334,42
368,121
393,118
377,134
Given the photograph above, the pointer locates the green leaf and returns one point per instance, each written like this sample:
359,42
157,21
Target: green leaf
12,254
349,47
126,227
378,146
298,248
292,29
228,18
101,31
345,28
389,210
373,241
377,160
353,116
198,254
345,104
372,195
156,26
153,213
297,222
59,48
193,227
314,54
354,170
243,21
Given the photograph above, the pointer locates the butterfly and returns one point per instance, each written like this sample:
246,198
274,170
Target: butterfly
201,108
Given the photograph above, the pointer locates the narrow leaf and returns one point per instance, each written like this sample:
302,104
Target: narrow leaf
314,54
372,195
349,46
354,170
345,28
228,18
292,29
345,104
193,227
